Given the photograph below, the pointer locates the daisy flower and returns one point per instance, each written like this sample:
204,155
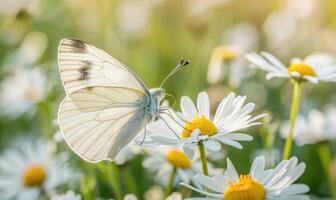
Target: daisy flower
317,127
69,195
11,8
195,126
31,170
259,184
313,68
21,91
229,58
171,161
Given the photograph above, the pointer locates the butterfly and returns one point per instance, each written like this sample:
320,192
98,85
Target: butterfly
106,103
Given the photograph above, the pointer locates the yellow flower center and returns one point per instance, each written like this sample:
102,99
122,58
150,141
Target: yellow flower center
178,158
302,68
205,126
224,53
34,175
245,189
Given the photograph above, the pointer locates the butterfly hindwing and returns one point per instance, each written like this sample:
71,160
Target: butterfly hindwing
97,122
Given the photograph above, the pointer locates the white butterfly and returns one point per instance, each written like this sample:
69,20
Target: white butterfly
106,105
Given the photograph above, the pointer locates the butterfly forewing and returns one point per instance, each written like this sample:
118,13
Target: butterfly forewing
83,65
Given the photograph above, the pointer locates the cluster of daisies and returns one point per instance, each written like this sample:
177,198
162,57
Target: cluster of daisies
181,146
186,139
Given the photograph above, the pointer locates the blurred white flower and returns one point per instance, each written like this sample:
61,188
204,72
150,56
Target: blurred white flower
164,160
21,91
259,184
292,25
127,153
29,52
32,168
133,15
69,195
32,48
229,58
201,7
313,68
272,156
130,197
154,193
195,125
13,7
317,127
173,196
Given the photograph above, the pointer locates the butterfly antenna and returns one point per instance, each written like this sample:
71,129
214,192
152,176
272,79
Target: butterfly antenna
183,63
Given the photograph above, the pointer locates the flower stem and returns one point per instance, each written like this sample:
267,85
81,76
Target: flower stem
326,158
170,182
113,171
294,110
130,181
203,159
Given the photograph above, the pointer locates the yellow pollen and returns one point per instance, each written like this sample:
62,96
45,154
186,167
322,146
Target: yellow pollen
224,53
245,189
34,175
302,68
205,126
178,158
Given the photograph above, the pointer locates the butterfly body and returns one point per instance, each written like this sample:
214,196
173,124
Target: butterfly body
106,105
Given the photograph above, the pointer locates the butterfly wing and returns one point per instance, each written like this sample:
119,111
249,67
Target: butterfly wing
97,122
104,108
82,65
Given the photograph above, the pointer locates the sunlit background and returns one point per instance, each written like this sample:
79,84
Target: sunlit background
151,36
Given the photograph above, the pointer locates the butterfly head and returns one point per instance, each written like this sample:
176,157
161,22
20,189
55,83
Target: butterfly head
158,94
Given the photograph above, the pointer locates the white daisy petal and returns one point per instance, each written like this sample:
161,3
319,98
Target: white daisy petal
202,192
210,183
212,145
164,140
229,142
188,108
231,171
295,189
258,167
203,105
236,136
312,79
189,150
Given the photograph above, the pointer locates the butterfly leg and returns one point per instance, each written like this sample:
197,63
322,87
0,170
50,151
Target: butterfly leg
144,136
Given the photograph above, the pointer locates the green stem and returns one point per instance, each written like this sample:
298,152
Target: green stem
130,181
86,187
203,159
294,110
170,182
114,180
326,159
